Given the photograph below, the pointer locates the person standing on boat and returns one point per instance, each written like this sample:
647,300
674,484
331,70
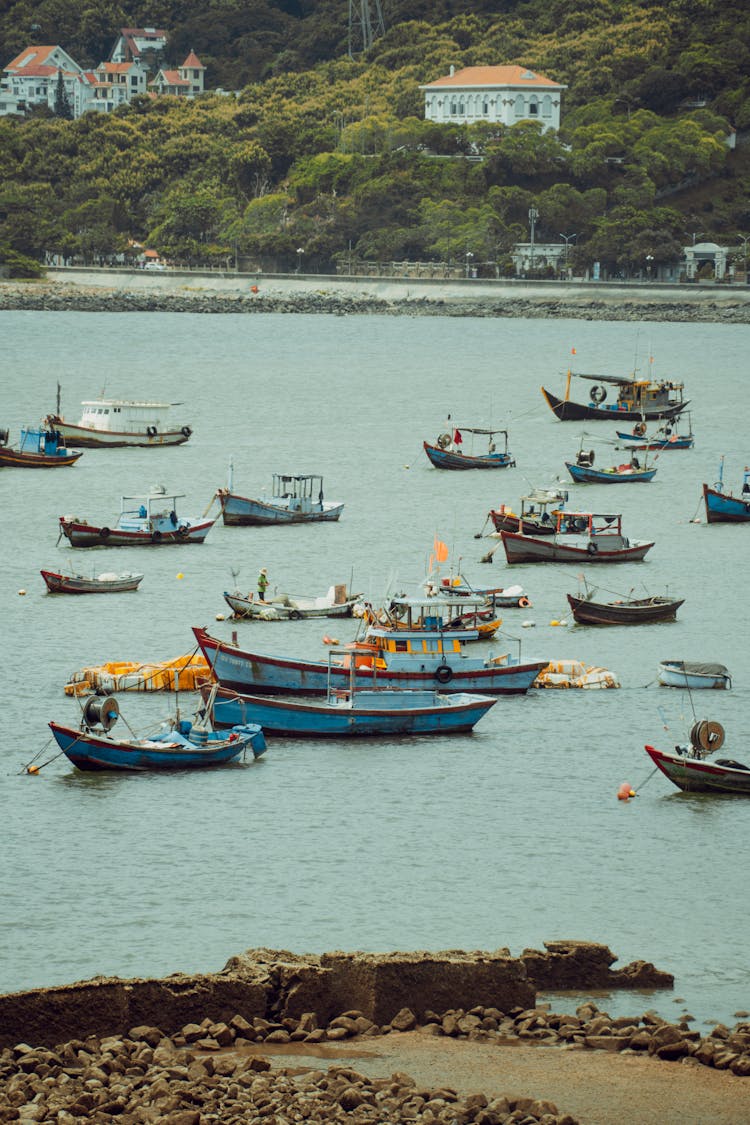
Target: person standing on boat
262,584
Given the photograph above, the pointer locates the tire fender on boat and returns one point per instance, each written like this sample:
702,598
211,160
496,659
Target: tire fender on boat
104,533
186,431
592,548
156,537
443,673
151,431
295,615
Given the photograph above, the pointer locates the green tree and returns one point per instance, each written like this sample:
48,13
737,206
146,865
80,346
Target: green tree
62,106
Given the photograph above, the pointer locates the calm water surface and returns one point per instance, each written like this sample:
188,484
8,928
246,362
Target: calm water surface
511,836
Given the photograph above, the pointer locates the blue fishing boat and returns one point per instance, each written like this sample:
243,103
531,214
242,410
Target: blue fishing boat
407,659
149,520
722,506
664,436
185,745
447,452
38,449
294,499
354,713
584,472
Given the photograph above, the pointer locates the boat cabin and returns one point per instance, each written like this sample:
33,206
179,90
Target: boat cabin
300,493
154,512
48,442
119,416
592,525
633,394
453,439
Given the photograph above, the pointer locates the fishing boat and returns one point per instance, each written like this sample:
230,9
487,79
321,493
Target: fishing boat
108,583
537,515
293,607
580,537
183,745
688,769
293,499
623,611
471,615
498,597
110,423
354,712
39,448
663,437
635,400
631,472
149,520
405,660
692,675
722,506
447,452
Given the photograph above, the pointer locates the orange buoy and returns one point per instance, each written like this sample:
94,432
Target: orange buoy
33,769
330,640
625,792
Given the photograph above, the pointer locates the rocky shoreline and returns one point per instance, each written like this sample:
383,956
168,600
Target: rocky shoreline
68,296
203,1049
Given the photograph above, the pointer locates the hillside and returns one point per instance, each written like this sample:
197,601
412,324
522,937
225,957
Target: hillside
331,156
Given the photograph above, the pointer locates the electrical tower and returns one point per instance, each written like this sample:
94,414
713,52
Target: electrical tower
366,24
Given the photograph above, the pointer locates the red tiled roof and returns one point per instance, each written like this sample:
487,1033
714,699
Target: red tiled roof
115,67
171,77
193,61
495,76
31,55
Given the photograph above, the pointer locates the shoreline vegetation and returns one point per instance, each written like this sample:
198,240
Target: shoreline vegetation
66,290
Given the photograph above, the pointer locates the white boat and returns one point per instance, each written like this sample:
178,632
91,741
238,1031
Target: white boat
114,422
686,674
292,607
143,521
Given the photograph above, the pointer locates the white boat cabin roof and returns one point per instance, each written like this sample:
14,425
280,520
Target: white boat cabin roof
121,402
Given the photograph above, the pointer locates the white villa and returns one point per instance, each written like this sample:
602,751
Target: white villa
504,94
187,81
132,42
31,79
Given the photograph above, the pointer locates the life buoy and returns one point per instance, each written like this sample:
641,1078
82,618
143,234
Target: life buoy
592,548
598,394
639,429
104,533
151,431
183,531
295,615
156,537
186,431
444,441
443,673
524,603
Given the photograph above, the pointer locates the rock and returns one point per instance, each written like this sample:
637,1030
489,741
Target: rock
146,1034
404,1020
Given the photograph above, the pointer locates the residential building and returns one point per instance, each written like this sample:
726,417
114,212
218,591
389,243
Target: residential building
185,82
502,94
116,83
134,42
31,79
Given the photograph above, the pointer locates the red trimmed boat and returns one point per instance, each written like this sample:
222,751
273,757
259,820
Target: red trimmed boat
688,770
38,449
81,584
580,537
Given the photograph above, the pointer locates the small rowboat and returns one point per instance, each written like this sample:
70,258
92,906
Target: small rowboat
625,611
630,473
686,674
81,584
688,769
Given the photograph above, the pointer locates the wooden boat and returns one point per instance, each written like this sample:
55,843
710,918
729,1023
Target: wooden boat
294,499
636,399
498,597
149,520
722,506
292,607
112,423
688,769
354,713
81,584
688,674
409,661
185,745
623,611
580,537
583,471
448,454
664,436
37,449
537,515
471,615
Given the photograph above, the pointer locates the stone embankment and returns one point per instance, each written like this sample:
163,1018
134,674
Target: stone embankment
332,299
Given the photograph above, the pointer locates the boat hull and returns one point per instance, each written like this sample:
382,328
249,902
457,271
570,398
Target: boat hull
674,442
568,411
450,459
254,673
89,438
643,611
78,584
695,776
528,548
239,511
23,459
722,508
91,752
277,611
322,720
507,521
82,534
584,475
672,674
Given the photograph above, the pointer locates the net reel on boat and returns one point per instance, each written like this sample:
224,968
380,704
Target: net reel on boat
100,712
706,736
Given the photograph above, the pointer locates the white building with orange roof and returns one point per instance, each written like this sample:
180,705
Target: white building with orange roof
133,42
185,82
116,83
30,79
503,94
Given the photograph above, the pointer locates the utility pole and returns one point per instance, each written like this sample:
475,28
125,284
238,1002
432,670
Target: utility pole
366,24
533,216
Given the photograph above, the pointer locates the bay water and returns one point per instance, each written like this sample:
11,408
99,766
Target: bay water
510,836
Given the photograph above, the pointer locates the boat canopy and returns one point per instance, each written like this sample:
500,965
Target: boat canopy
475,430
698,669
627,380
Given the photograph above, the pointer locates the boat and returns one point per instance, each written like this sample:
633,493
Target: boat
537,514
293,499
692,675
573,674
183,745
447,453
589,537
636,399
406,660
663,437
623,611
471,615
110,423
293,607
688,769
722,506
631,472
354,712
149,520
498,597
38,448
108,583
181,673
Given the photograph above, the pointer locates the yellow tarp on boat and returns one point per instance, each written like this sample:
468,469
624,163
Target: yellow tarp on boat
187,672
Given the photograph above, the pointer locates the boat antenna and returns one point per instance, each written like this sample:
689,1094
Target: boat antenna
57,411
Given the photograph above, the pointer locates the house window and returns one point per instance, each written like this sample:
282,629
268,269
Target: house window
485,107
533,108
520,106
134,81
453,106
546,106
461,109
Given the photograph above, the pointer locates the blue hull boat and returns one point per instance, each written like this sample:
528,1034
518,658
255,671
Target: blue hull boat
452,459
618,474
686,674
722,506
294,499
354,713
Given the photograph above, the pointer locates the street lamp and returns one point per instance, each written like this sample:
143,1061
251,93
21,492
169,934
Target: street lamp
533,216
300,252
568,239
469,256
649,260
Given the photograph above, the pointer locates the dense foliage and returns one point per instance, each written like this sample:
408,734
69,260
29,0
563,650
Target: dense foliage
316,152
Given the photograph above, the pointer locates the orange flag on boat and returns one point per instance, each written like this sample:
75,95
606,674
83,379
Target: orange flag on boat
440,549
572,351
